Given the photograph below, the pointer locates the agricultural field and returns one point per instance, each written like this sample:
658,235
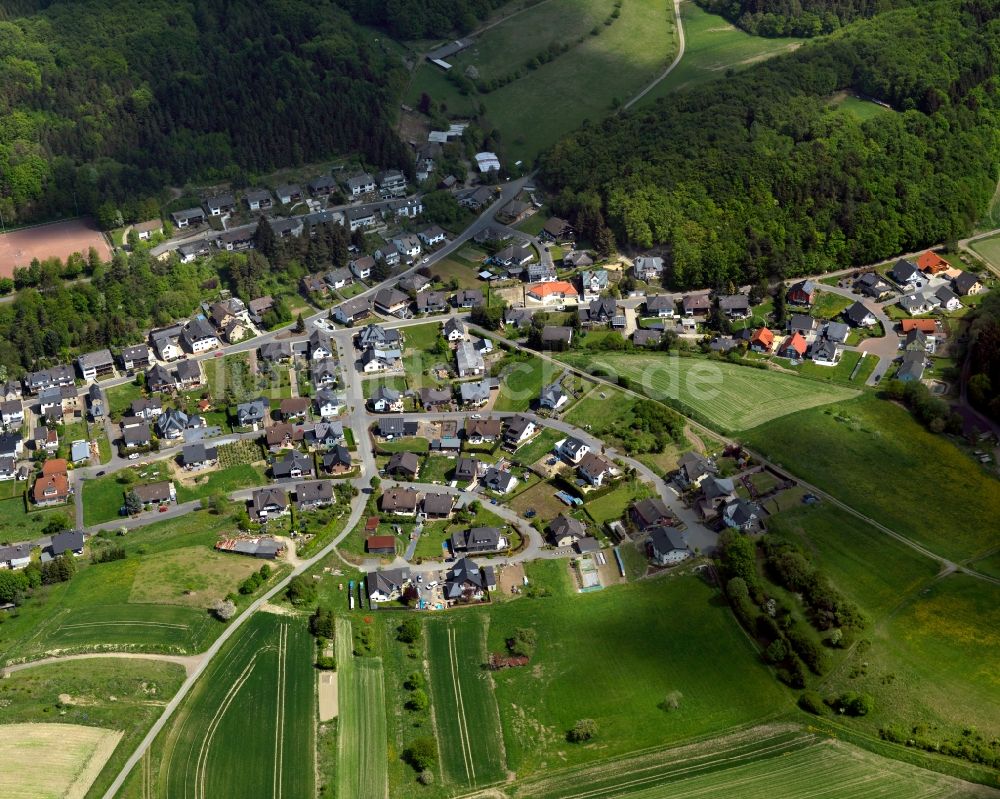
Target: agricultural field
609,60
871,454
595,660
465,710
65,714
189,576
712,46
723,395
362,754
760,763
249,722
988,249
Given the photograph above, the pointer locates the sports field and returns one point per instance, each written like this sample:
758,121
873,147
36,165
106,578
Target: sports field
57,760
757,764
712,46
248,727
55,240
723,395
465,709
605,62
362,738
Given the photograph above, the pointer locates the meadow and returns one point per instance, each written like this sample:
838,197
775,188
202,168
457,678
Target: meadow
362,740
606,64
613,656
713,47
538,447
233,478
16,524
873,456
521,381
100,694
757,764
988,249
725,396
73,756
465,710
248,725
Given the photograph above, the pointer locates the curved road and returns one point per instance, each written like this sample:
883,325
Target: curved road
669,69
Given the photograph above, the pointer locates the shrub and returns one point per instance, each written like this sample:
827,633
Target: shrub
322,623
671,701
414,681
326,662
523,642
409,631
853,704
301,591
422,754
224,609
812,702
418,700
426,777
583,730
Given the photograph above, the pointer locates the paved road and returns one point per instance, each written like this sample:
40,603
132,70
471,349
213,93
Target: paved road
669,69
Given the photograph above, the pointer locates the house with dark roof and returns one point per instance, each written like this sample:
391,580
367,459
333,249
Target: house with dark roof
967,284
466,469
482,431
171,424
647,338
556,337
353,310
565,531
553,397
93,365
464,582
71,541
199,456
802,293
740,513
158,493
518,430
660,305
438,506
736,306
649,512
595,469
499,480
556,229
911,369
478,540
314,494
825,352
858,315
252,413
647,268
337,460
268,503
696,304
435,399
387,585
949,300
905,273
403,464
390,427
872,285
573,449
692,469
292,464
399,501
666,546
432,302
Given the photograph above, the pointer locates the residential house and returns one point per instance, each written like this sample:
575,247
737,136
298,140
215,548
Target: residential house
321,186
518,430
476,198
650,512
283,435
187,217
408,246
275,352
666,546
294,408
135,358
514,257
432,302
358,185
406,209
948,299
199,456
740,513
825,352
268,503
518,318
52,485
477,393
736,306
647,268
647,338
578,258
69,541
193,249
469,298
292,464
54,377
337,460
572,449
377,360
967,284
905,273
339,278
918,303
435,399
11,445
324,373
478,540
595,469
801,323
362,267
386,400
392,181
253,413
260,306
928,326
762,340
541,273
327,403
11,390
159,378
405,465
353,310
259,199
917,341
660,305
794,347
499,480
166,342
220,204
715,492
467,470
482,431
96,404
553,397
836,332
323,435
930,263
94,365
79,451
388,585
320,345
12,414
692,469
858,315
564,531
802,293
912,367
314,494
432,236
696,305
438,506
171,424
464,582
514,211
399,501
237,239
388,254
556,229
198,335
593,283
872,285
137,434
158,493
390,427
391,301
17,556
556,337
453,329
469,360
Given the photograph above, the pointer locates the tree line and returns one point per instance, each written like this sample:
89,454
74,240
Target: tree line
421,19
103,102
796,17
756,176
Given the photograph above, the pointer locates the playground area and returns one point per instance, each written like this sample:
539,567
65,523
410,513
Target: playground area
56,239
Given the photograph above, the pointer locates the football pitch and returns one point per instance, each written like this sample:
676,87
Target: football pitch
248,728
465,709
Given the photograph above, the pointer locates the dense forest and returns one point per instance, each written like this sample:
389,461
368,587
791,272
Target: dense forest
110,100
797,17
421,19
984,372
758,176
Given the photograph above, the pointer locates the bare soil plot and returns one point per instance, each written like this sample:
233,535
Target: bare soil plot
55,240
73,755
328,704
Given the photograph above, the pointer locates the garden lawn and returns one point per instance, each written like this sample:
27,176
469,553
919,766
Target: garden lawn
723,395
404,445
421,338
465,710
613,656
224,480
612,505
872,455
829,305
121,397
521,381
538,447
450,269
16,524
436,469
250,722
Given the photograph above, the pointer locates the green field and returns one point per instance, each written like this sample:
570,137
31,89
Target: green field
242,475
988,249
862,109
613,656
522,380
760,763
248,727
612,505
103,496
723,395
362,741
829,305
538,447
16,524
465,710
421,338
872,455
533,112
121,397
712,46
111,693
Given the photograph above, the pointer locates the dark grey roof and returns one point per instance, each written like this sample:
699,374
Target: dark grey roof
68,541
666,540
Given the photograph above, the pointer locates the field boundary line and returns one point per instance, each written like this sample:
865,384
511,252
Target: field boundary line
463,732
202,763
279,710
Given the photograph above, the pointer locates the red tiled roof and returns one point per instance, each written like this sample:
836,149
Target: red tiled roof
764,337
55,466
931,262
923,325
380,542
555,287
795,342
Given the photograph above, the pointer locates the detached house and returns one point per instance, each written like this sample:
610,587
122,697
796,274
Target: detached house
362,267
469,361
268,503
388,585
391,301
696,305
358,185
905,273
595,469
564,531
666,546
593,283
858,315
556,229
399,501
353,311
519,429
288,194
387,400
93,365
660,305
762,340
553,397
220,204
967,284
187,217
135,358
802,293
259,199
198,335
255,412
649,512
647,268
432,236
291,465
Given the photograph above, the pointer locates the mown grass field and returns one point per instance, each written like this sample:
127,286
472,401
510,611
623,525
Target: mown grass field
712,46
724,395
612,505
247,728
862,109
16,524
534,111
362,740
760,764
189,576
73,756
988,249
872,455
613,656
538,447
521,381
465,710
100,694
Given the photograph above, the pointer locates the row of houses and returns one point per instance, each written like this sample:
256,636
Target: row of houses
464,581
